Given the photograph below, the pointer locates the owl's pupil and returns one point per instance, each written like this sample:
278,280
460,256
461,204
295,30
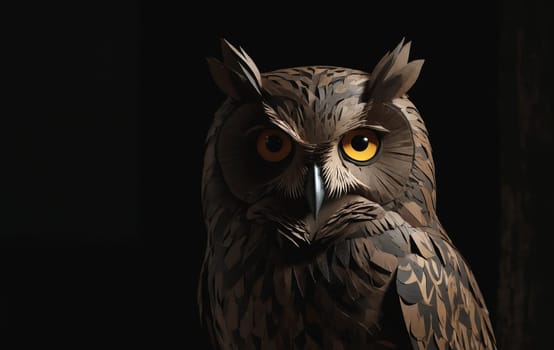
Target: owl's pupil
359,143
273,143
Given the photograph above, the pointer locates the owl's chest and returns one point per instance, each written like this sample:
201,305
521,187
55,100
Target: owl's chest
334,299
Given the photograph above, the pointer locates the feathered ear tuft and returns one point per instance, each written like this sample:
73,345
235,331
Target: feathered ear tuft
237,76
393,76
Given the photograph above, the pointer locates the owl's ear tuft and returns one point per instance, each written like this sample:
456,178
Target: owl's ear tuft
237,76
393,76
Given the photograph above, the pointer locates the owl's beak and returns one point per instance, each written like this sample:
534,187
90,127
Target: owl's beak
314,191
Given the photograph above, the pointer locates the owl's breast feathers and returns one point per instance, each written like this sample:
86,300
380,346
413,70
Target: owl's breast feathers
385,283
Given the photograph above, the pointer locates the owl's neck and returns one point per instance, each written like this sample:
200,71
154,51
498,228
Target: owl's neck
418,211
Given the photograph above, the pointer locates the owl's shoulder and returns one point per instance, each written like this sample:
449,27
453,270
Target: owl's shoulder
440,299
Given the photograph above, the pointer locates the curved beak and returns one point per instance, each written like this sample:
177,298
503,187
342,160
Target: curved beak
314,191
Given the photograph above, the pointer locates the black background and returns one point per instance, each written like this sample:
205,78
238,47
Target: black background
115,99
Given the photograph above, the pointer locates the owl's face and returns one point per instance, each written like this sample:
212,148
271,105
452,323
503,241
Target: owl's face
301,147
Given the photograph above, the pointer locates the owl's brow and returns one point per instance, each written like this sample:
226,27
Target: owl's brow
359,120
274,120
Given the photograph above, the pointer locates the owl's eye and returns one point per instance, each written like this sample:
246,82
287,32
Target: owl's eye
273,145
360,145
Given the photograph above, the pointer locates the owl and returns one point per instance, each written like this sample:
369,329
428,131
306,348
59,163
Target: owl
318,193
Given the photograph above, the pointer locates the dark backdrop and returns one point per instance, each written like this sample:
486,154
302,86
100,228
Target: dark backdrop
107,237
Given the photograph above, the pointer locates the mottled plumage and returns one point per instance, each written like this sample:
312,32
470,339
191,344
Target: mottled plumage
319,199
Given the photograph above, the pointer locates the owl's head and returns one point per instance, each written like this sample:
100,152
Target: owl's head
306,146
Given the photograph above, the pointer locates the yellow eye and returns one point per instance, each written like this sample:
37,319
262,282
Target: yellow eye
360,145
273,145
